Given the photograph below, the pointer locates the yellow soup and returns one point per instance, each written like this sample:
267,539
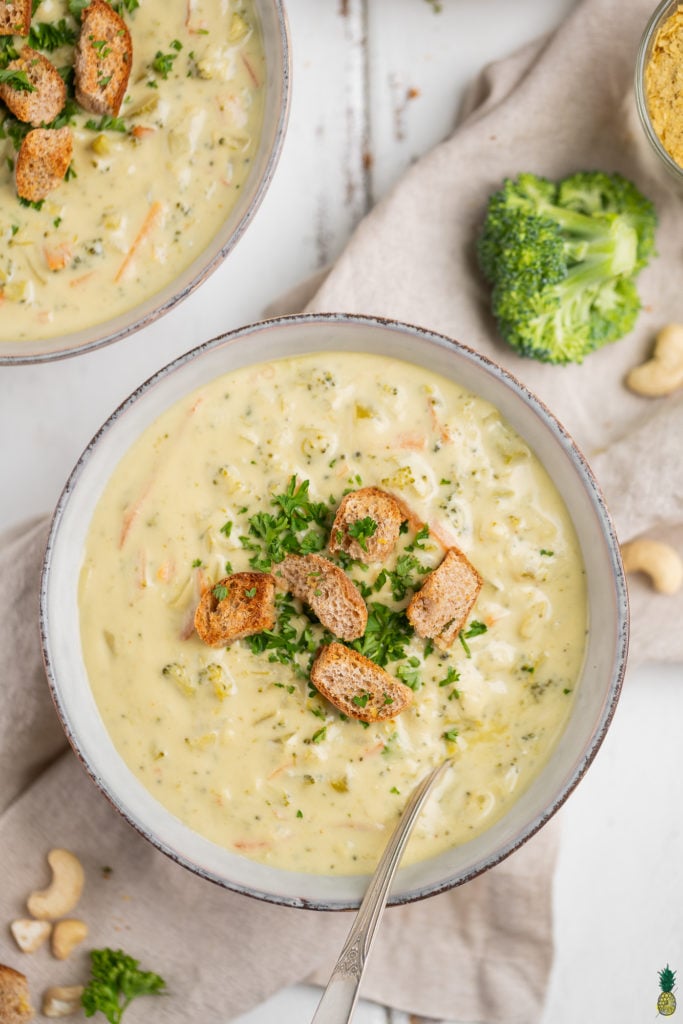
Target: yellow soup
147,190
234,740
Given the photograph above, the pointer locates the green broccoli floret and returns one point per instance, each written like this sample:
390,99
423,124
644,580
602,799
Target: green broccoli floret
563,258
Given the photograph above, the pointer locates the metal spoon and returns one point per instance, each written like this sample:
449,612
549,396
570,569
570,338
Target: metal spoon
341,994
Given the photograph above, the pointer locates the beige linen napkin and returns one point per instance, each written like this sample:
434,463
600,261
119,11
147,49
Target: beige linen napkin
482,952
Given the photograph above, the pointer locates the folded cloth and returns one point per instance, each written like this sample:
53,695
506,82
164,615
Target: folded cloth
481,952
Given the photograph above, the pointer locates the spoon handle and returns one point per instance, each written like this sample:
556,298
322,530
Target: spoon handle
341,994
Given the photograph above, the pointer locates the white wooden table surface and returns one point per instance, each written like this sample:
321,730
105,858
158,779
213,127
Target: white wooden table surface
377,83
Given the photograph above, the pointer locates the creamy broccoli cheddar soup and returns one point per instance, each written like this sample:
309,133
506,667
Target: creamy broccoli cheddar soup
235,740
146,190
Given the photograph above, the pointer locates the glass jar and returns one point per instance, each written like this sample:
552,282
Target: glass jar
665,10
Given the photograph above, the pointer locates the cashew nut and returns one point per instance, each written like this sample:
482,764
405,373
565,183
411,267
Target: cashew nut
663,373
67,934
659,561
62,1000
28,934
65,890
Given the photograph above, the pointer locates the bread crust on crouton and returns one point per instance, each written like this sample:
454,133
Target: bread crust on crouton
102,60
373,503
15,17
328,591
236,606
357,686
42,161
49,91
439,610
15,1001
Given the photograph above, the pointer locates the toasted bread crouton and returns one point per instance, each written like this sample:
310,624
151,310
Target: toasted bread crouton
440,608
328,592
357,686
367,503
103,59
238,605
42,162
15,17
45,100
15,1004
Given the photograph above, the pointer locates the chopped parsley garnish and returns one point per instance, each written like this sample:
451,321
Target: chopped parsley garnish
16,79
107,123
33,204
125,5
220,591
299,526
421,537
197,562
475,628
76,8
408,672
451,735
163,62
286,643
320,735
548,554
51,35
8,50
452,676
226,528
251,592
70,109
402,577
361,700
386,635
299,814
362,529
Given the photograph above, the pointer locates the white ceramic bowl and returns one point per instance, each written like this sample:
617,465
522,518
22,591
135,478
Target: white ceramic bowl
273,24
597,691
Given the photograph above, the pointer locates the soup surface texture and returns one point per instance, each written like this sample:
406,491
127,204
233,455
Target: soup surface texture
235,741
147,190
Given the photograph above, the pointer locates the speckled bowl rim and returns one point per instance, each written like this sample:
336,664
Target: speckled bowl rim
161,302
619,641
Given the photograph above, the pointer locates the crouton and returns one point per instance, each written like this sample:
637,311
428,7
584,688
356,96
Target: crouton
102,60
15,17
357,686
15,1003
42,161
47,96
440,608
238,605
367,503
328,592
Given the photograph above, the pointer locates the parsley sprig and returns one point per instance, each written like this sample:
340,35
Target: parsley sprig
163,62
51,36
291,641
362,529
299,526
386,636
475,628
16,79
116,980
